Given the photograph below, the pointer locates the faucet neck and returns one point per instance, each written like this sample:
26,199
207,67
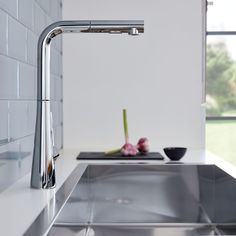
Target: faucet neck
43,167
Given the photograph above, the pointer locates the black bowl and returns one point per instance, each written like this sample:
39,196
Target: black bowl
175,153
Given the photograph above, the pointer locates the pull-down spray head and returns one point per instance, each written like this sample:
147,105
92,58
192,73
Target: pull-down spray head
133,31
116,27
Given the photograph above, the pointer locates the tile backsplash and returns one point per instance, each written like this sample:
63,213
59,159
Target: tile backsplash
21,22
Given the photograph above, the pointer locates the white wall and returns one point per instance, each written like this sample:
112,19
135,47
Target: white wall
157,76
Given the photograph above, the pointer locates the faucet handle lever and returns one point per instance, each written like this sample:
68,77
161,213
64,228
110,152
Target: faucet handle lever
56,153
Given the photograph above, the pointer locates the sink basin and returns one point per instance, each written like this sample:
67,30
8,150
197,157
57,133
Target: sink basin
150,200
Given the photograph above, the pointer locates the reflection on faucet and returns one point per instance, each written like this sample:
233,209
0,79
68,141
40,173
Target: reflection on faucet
43,169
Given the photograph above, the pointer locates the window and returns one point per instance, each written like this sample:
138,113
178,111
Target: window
221,79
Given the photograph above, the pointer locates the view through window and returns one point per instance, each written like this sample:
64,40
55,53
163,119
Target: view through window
221,79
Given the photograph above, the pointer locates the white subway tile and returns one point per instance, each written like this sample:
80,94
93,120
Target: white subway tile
61,113
31,116
35,87
18,122
52,87
56,113
13,146
3,148
56,109
32,41
25,13
58,137
26,144
17,40
40,19
60,72
55,9
26,151
60,10
3,35
27,82
55,61
58,89
8,78
45,4
49,20
3,121
10,6
57,43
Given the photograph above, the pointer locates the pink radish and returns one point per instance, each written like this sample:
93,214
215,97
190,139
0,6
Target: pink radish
129,150
143,145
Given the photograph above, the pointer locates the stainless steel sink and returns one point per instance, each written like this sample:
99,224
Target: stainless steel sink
150,200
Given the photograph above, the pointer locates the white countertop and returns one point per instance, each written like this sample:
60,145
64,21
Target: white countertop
20,205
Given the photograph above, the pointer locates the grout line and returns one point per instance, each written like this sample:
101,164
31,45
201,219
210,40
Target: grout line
29,29
27,100
12,140
27,63
24,25
17,15
16,19
17,139
18,60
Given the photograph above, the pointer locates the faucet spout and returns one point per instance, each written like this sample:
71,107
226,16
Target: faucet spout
43,166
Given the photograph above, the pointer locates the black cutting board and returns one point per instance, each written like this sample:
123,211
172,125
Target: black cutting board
102,156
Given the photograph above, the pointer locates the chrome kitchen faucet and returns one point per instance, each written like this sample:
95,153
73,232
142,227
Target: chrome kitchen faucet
43,166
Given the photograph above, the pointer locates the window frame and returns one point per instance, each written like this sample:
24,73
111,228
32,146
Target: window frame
218,33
